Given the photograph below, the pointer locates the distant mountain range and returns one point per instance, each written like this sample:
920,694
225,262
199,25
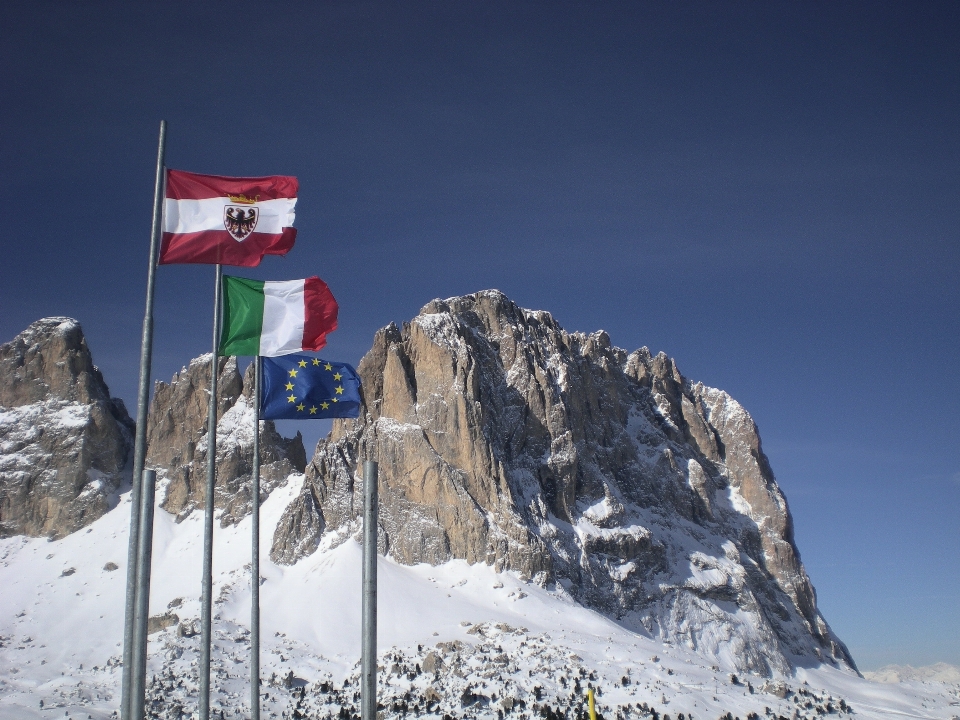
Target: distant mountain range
939,672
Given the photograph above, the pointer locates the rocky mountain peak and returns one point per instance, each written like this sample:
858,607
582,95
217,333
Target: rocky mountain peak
49,359
607,475
177,441
64,442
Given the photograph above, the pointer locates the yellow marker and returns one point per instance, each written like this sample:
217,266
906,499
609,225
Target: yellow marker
593,709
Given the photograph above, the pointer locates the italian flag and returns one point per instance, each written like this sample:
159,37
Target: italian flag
267,318
213,219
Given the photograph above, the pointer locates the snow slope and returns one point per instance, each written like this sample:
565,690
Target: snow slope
455,640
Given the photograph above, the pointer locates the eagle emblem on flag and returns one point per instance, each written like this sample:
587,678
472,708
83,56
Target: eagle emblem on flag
240,221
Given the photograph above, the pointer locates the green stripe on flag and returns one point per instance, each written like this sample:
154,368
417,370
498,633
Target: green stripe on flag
242,316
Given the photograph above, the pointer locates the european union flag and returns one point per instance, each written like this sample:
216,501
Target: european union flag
302,387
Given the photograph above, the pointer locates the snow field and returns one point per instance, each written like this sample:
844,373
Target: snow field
456,640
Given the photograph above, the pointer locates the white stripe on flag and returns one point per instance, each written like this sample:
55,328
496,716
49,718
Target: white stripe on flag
283,318
190,216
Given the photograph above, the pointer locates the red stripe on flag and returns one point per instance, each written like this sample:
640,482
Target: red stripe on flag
319,313
191,186
210,247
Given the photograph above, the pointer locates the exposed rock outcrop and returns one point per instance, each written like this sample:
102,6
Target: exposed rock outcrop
64,442
504,439
177,441
605,475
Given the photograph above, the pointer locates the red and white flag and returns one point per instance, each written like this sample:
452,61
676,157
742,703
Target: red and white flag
213,219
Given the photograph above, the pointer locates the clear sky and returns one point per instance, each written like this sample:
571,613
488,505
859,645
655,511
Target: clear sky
768,192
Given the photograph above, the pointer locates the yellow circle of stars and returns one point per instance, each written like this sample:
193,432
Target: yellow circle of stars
324,405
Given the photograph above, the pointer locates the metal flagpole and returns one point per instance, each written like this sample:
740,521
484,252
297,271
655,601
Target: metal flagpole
138,684
255,557
368,656
140,442
206,601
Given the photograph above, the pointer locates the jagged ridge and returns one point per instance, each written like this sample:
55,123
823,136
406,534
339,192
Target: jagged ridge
177,441
64,441
504,439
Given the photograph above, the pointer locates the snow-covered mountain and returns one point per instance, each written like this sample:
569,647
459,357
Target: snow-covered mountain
177,441
64,441
605,475
938,672
556,515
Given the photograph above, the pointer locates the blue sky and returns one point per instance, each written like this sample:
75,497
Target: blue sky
768,192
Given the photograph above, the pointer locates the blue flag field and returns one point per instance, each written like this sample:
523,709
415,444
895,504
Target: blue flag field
303,387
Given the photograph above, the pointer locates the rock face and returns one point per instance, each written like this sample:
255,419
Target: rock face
504,439
64,441
177,441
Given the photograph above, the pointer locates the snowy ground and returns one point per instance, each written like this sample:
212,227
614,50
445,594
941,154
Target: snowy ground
455,640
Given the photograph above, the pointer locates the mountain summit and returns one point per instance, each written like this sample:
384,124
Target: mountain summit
64,441
604,475
549,473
